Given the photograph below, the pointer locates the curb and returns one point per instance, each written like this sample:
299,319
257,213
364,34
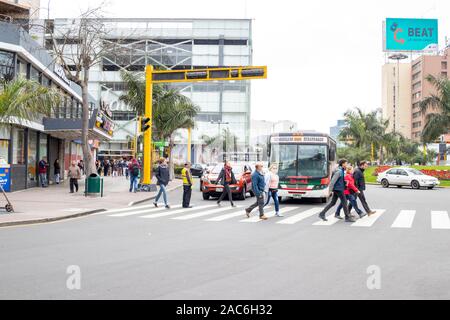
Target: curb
47,220
153,197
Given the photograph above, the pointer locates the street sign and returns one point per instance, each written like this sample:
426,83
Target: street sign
410,34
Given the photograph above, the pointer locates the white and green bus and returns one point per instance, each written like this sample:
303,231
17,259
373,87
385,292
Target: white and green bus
305,163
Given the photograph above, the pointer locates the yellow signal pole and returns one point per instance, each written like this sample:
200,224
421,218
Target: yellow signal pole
147,167
189,145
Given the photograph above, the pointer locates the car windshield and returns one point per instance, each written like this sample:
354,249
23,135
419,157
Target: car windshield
236,169
415,172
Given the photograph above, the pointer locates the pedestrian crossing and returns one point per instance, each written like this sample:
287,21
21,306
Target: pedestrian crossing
292,215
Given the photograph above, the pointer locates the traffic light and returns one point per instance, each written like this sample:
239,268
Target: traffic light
144,124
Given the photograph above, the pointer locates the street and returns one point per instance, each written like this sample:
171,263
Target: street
216,253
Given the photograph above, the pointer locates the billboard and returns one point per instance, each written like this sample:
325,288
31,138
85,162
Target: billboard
410,34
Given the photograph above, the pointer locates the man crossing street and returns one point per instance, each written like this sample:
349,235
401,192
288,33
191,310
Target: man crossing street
360,183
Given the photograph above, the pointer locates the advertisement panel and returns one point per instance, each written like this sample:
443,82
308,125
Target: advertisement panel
410,34
5,177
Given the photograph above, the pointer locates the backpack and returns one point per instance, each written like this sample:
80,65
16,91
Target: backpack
135,170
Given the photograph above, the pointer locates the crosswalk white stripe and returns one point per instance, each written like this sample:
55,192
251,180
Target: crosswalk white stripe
172,212
134,213
269,214
331,220
368,221
132,208
301,216
230,216
404,219
205,213
440,220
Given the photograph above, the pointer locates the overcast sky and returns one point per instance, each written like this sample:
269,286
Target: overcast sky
324,56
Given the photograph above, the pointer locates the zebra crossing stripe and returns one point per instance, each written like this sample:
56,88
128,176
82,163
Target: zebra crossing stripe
270,214
137,211
173,212
227,216
368,221
440,220
204,213
404,219
301,216
132,208
331,220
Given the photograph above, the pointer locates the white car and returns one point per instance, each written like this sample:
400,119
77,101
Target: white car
406,177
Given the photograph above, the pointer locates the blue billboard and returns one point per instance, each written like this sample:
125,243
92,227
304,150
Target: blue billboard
411,34
5,177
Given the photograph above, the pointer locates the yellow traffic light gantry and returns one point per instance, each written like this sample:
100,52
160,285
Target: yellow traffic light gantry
191,75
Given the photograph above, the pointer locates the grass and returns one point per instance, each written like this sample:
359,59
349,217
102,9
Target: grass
370,178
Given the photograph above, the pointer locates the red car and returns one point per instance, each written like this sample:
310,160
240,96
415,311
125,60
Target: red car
243,174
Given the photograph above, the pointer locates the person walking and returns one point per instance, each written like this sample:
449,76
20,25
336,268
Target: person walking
272,188
43,166
74,175
81,166
226,178
98,166
258,189
351,192
360,183
188,182
57,171
162,176
337,186
135,170
106,166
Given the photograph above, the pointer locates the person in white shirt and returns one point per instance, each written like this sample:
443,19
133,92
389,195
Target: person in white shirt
272,188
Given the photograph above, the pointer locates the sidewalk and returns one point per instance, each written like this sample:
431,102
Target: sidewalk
38,205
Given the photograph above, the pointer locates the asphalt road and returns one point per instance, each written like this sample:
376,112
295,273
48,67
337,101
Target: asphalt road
172,255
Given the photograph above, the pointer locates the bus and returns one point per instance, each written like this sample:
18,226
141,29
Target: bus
305,162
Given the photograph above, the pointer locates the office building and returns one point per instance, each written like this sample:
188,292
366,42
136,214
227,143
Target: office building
336,131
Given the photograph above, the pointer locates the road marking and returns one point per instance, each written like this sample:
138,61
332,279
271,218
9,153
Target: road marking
174,212
133,213
301,216
148,206
331,220
404,219
270,214
205,213
440,220
368,221
227,216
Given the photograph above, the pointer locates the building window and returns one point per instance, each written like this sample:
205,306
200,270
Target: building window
4,148
35,75
416,66
22,68
416,115
444,74
417,124
6,65
444,65
18,146
416,105
416,75
417,85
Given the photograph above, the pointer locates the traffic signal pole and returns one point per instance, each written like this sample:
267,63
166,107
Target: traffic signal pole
147,161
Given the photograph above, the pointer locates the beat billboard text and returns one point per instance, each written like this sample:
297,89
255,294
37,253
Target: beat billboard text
411,34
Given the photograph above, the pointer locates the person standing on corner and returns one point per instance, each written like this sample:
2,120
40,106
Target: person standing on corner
134,169
188,182
163,177
258,189
226,178
57,171
272,192
43,165
337,186
360,183
74,175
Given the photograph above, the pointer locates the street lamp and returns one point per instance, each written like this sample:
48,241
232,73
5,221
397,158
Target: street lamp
398,57
219,123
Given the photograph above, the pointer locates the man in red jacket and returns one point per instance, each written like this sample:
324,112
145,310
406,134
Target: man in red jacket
351,192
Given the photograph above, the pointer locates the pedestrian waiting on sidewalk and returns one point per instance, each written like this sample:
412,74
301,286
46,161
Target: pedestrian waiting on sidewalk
272,188
163,177
57,171
74,175
188,182
43,166
135,171
226,178
258,189
351,192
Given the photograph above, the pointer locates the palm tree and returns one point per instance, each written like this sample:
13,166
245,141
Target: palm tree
437,122
23,99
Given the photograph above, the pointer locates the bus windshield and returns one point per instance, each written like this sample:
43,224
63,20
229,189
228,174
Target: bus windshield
300,160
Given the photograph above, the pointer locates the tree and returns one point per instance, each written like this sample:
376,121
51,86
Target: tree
77,48
23,99
438,121
221,141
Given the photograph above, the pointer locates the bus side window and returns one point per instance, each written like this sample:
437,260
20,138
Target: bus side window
332,155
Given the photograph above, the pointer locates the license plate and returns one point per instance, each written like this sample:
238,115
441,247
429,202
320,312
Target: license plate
297,196
219,190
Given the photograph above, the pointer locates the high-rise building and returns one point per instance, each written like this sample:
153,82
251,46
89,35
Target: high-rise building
175,44
336,131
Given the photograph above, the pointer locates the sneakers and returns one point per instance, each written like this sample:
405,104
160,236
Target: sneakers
247,213
322,216
279,215
362,215
155,204
350,219
263,217
167,207
338,217
371,213
233,205
218,204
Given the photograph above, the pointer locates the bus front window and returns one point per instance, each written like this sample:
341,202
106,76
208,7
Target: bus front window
312,161
286,158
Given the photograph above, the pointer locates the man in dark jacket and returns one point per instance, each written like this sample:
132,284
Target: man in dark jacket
163,177
258,185
337,186
43,165
360,183
226,178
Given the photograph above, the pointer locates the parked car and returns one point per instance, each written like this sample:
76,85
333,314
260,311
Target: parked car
197,170
243,174
406,177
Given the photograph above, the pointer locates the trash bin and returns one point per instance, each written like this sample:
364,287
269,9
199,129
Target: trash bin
94,185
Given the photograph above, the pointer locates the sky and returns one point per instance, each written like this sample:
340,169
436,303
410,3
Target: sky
323,56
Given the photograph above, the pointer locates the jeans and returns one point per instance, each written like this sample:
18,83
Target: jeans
226,191
133,183
259,203
43,178
352,199
73,183
363,200
187,192
162,191
274,195
57,178
337,195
